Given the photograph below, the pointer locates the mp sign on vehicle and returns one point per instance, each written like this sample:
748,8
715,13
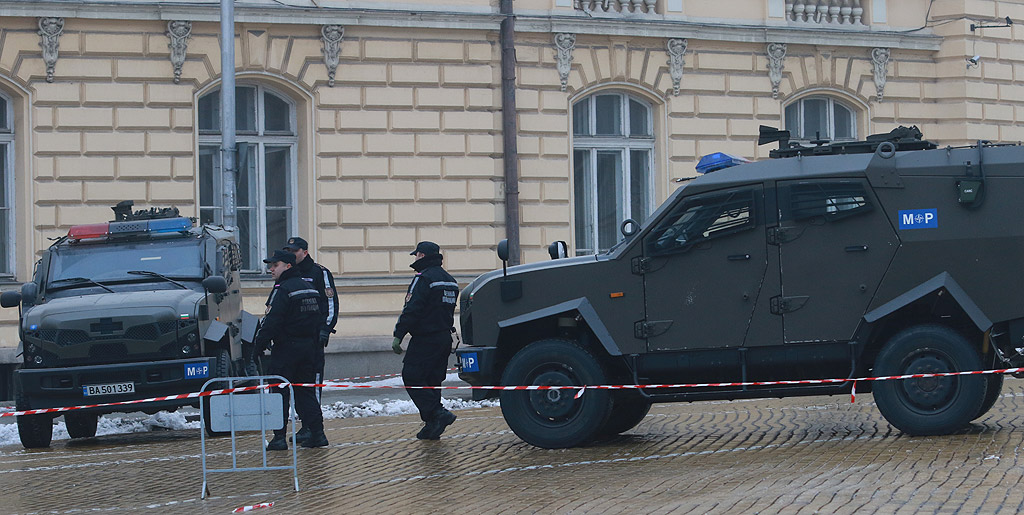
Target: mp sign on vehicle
196,370
919,218
469,362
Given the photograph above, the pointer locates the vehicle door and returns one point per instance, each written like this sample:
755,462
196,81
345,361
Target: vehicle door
703,265
835,243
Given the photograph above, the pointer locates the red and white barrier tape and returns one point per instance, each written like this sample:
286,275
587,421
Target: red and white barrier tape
251,507
581,388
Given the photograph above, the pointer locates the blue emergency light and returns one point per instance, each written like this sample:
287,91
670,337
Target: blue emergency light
718,161
131,228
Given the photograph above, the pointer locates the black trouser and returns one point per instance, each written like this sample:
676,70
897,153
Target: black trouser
426,364
295,360
319,369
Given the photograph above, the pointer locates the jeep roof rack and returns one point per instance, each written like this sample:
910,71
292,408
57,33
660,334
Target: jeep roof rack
905,138
123,212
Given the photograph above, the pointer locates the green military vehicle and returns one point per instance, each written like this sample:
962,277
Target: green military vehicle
872,258
147,305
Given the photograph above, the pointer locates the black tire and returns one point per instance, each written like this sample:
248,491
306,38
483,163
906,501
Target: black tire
554,419
928,406
81,425
628,409
993,389
35,431
222,368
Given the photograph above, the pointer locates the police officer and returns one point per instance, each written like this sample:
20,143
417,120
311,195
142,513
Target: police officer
323,282
293,323
428,315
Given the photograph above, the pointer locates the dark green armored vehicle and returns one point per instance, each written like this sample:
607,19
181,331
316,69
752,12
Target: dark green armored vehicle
144,306
874,258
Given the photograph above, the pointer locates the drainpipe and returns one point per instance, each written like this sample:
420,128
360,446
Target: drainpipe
227,110
509,130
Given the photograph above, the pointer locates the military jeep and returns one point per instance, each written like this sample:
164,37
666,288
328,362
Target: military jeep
147,305
836,261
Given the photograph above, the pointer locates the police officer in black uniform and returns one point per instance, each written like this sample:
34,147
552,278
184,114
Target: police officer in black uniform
323,282
293,323
429,316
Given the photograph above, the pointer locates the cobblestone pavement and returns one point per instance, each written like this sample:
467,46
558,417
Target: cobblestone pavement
803,455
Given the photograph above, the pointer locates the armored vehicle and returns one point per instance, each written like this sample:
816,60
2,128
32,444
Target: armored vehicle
837,261
147,305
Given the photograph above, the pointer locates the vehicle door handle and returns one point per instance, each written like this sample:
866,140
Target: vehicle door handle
739,257
857,248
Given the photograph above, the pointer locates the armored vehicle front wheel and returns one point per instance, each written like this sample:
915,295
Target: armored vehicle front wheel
993,389
35,431
81,425
222,369
555,418
929,405
628,409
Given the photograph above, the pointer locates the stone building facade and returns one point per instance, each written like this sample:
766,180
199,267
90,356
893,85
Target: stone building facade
372,125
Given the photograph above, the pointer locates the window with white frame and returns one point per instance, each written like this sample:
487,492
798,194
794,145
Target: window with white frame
266,182
816,118
613,163
7,256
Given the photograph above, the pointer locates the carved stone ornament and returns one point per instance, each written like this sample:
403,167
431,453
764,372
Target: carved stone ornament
50,30
331,36
565,43
676,50
179,31
880,58
776,54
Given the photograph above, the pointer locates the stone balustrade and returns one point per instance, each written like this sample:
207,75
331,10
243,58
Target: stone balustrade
826,12
617,6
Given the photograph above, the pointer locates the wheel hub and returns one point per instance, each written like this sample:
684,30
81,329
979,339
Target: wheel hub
928,392
552,404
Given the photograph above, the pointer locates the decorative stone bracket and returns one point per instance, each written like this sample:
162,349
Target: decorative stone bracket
179,31
50,30
776,56
880,59
565,43
676,48
331,36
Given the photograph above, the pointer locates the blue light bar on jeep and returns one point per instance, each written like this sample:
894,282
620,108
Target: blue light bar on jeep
165,225
718,161
129,228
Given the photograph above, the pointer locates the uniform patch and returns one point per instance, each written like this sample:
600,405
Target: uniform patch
267,311
329,292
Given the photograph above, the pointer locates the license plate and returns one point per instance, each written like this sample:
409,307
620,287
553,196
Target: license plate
108,389
469,362
197,370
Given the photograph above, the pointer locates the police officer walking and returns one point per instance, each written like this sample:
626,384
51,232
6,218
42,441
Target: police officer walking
293,323
323,282
429,316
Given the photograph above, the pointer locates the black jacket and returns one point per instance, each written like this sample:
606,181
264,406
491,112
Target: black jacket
293,311
323,282
430,300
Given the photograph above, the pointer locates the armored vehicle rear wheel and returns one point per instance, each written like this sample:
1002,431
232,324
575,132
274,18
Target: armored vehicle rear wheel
930,405
81,425
628,409
993,389
222,368
555,418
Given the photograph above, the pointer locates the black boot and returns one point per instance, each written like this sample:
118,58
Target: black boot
315,439
302,435
437,425
278,443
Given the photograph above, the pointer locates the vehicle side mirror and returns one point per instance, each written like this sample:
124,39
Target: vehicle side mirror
10,299
29,292
215,284
558,249
629,227
503,250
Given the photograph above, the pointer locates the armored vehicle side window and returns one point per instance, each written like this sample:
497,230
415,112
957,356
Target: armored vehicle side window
704,218
830,200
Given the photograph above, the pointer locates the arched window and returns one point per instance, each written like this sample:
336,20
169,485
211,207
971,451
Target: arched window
613,160
266,189
819,117
7,256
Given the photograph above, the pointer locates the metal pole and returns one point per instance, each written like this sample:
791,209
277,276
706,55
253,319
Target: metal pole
509,129
227,111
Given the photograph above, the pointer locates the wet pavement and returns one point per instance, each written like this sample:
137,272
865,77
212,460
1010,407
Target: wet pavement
801,455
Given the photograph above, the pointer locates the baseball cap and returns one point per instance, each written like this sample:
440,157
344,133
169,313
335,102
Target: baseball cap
296,243
428,248
280,255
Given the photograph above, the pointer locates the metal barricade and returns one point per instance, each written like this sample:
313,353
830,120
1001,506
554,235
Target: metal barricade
259,410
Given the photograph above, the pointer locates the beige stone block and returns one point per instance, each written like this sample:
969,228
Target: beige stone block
197,72
176,193
536,77
74,215
480,144
388,97
684,148
31,70
66,142
44,216
726,61
115,191
107,94
326,215
181,119
440,97
737,148
339,96
84,68
470,74
184,167
529,194
544,168
416,167
43,167
472,213
469,121
415,120
14,44
48,93
143,117
326,120
390,190
364,214
997,113
553,102
1011,133
255,49
749,84
169,143
144,167
914,69
419,74
347,190
358,73
59,191
438,144
364,167
340,144
420,213
445,237
85,117
115,143
440,190
327,167
470,260
484,98
557,146
483,237
365,262
716,105
468,167
43,117
976,131
767,107
277,53
440,51
314,76
390,144
390,237
543,123
484,51
486,190
528,99
699,127
118,44
302,51
1010,92
342,237
359,121
381,50
555,191
134,69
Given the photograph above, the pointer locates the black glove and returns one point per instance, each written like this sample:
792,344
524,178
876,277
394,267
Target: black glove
396,345
325,336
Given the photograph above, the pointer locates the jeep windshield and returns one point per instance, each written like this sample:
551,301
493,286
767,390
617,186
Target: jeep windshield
100,268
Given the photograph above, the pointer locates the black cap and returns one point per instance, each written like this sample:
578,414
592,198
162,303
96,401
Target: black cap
281,255
296,243
428,248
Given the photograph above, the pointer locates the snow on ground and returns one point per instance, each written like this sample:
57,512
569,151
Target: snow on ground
117,423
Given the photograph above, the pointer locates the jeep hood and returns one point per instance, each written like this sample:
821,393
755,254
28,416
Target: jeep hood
530,267
159,305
